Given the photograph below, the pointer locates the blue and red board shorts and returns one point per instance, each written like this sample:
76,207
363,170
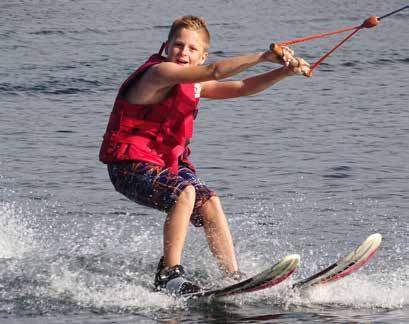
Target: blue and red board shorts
153,186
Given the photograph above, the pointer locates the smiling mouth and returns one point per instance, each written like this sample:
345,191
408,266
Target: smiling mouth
181,62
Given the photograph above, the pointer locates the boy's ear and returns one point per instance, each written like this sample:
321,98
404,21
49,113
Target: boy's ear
204,57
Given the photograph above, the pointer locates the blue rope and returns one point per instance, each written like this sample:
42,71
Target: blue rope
394,12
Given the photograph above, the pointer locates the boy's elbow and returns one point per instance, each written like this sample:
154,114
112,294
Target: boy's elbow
244,90
215,73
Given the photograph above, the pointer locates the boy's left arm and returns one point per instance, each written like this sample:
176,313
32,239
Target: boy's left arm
252,85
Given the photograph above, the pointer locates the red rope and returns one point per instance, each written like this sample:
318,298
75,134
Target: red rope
322,58
315,36
368,23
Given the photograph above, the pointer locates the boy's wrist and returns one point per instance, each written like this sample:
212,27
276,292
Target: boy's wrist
287,71
263,57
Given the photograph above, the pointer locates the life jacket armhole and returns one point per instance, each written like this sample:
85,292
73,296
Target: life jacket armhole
128,85
137,74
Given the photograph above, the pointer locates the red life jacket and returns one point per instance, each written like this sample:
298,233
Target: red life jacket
156,133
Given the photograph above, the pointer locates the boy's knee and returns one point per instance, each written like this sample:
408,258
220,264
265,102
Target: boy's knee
212,210
189,194
213,204
212,207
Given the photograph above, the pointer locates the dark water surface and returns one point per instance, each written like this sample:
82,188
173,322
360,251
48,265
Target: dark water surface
311,166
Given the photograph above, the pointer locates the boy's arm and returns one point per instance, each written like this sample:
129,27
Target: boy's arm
168,74
252,85
158,80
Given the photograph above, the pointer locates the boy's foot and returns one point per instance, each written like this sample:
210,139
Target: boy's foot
237,275
173,281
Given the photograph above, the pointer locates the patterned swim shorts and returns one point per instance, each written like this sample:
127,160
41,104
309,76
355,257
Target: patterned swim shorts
153,186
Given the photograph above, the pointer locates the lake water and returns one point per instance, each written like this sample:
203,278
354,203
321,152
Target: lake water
310,166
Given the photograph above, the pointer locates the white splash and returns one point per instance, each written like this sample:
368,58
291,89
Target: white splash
16,237
359,291
107,294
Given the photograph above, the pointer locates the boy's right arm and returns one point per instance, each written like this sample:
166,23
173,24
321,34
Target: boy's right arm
168,74
159,79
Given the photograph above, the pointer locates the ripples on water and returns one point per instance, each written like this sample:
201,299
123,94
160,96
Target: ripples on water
305,164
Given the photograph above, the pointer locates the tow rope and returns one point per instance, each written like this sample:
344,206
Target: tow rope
368,23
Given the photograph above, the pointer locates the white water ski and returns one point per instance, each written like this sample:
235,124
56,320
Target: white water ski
344,266
268,278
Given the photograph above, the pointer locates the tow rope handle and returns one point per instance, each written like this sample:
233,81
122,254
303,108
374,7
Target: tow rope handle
278,51
368,23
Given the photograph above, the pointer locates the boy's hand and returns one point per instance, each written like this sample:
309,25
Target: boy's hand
299,66
285,58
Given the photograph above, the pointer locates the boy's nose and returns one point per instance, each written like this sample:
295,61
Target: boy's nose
185,50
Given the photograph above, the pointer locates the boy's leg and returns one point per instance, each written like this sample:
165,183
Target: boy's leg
218,234
170,274
151,185
176,226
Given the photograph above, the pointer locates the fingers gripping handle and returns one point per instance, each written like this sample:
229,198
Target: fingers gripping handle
278,50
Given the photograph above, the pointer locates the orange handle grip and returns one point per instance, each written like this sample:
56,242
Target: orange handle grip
278,50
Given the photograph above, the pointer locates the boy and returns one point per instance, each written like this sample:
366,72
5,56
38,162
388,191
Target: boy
146,141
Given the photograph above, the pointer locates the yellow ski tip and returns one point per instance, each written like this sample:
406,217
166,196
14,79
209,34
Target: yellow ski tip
292,258
376,239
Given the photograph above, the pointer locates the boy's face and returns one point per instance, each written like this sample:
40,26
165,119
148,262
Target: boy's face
187,48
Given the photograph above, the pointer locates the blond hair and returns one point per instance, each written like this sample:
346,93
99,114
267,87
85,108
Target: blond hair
191,23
